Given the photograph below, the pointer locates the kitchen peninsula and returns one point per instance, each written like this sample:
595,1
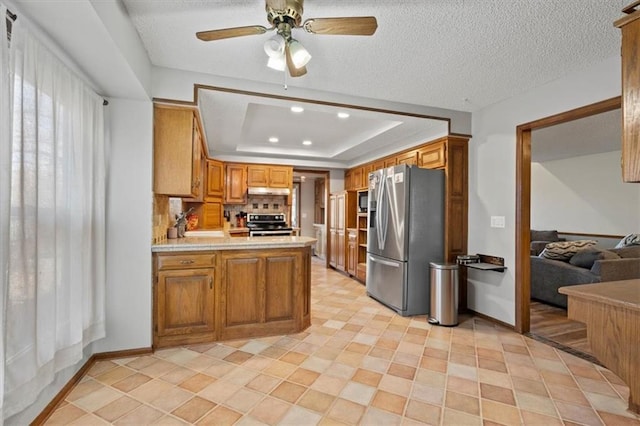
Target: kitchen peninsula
220,288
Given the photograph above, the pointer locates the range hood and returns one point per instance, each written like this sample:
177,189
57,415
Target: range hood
262,190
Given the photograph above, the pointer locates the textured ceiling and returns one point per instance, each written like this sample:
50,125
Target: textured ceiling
457,54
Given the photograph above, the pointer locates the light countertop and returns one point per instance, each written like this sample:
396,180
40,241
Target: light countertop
231,243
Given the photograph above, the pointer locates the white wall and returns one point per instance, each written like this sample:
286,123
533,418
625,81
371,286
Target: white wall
492,174
584,195
129,224
307,207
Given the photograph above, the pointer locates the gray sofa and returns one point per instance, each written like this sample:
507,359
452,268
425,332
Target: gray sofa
548,275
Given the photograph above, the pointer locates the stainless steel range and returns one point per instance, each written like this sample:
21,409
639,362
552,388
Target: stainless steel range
268,225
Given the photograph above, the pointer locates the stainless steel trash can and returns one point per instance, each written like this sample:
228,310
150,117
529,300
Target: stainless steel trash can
444,294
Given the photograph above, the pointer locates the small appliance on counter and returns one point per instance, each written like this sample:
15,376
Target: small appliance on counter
268,224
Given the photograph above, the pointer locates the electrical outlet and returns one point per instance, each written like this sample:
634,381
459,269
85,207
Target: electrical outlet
497,221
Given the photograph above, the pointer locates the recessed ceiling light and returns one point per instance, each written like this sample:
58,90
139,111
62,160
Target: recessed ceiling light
273,139
307,142
297,109
343,115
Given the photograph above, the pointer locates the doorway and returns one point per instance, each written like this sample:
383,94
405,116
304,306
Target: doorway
313,196
523,200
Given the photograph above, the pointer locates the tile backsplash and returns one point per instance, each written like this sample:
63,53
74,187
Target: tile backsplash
160,218
260,204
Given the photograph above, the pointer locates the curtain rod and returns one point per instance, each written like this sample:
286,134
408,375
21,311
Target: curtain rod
13,17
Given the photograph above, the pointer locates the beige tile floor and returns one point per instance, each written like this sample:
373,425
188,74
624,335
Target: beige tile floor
358,363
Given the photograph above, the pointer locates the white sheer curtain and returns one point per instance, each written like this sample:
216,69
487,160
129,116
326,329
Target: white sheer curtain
54,268
5,183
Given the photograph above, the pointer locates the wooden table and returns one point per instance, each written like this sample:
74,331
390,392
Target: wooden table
611,311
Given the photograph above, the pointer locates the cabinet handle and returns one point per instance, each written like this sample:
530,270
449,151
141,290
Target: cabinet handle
210,283
186,262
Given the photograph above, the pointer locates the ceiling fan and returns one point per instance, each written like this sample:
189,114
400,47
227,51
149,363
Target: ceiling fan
284,16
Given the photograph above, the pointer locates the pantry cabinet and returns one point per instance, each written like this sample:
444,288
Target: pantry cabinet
177,152
630,27
342,211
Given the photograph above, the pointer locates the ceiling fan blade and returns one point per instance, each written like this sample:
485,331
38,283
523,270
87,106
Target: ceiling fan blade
293,71
231,32
355,25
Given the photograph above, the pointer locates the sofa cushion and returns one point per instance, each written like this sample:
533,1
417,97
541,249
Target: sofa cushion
587,257
564,250
629,240
627,252
544,235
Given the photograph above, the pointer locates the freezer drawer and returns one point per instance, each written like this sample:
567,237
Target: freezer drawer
386,281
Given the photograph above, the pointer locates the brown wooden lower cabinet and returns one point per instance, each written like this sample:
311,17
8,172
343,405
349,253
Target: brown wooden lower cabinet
219,295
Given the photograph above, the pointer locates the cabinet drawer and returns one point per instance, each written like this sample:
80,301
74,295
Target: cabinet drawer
181,261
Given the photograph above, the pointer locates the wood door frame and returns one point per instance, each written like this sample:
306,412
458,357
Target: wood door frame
327,192
523,198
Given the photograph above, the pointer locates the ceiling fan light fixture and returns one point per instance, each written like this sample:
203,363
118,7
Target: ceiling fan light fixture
277,63
299,55
274,47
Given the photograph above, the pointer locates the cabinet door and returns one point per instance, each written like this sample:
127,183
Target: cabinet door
333,217
280,177
340,212
215,179
257,175
241,291
432,156
377,166
212,214
352,253
340,250
235,184
631,101
333,248
408,158
348,179
185,302
356,178
280,279
173,151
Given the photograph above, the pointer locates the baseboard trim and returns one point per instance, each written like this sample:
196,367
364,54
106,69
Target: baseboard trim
490,319
60,396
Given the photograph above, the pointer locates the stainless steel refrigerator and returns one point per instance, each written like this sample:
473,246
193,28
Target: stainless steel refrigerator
406,233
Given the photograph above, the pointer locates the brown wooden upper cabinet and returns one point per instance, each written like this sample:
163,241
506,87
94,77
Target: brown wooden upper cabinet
432,156
215,179
177,152
408,158
269,176
630,26
235,183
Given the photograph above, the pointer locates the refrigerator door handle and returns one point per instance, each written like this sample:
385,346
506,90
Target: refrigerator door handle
382,216
384,262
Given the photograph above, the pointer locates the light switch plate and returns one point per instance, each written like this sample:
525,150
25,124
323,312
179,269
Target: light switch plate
497,221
